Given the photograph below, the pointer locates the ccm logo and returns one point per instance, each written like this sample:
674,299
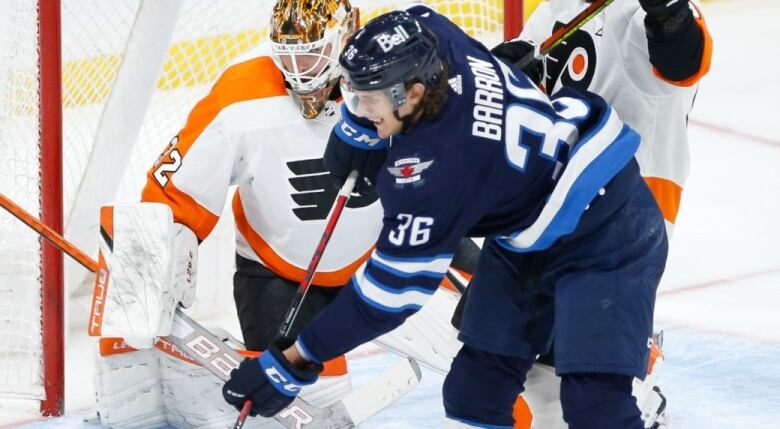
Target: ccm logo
389,41
359,137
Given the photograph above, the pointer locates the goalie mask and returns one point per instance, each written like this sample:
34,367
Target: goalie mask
306,38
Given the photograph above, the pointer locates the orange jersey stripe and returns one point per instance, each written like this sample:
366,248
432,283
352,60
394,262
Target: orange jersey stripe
706,56
667,194
253,79
282,268
185,209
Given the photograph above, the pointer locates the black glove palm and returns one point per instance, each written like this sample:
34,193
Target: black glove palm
271,382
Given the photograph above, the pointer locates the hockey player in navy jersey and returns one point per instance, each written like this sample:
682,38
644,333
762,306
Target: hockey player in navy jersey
575,244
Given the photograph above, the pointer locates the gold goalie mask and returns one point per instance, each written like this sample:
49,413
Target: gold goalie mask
306,39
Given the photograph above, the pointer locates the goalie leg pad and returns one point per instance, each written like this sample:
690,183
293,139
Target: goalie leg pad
193,398
542,392
127,387
427,336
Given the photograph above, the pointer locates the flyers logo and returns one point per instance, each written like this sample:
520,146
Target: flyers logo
316,192
572,63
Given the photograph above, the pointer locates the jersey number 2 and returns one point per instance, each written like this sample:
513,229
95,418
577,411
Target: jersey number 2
168,167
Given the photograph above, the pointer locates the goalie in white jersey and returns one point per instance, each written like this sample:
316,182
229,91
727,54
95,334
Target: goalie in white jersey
645,57
262,128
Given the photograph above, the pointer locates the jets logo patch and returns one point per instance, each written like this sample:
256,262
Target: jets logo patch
408,170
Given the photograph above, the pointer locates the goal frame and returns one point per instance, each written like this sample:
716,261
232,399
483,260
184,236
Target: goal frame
52,273
51,193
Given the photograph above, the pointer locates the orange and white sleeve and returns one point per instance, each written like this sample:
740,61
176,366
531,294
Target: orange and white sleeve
193,174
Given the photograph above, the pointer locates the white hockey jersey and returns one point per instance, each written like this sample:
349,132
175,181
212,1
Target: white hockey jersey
609,56
248,131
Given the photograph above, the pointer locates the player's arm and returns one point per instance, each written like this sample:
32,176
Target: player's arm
678,42
411,259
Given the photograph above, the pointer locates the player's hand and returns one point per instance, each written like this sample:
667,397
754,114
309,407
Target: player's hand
515,50
355,145
270,381
666,18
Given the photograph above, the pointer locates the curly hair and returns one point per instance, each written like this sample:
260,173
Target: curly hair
435,95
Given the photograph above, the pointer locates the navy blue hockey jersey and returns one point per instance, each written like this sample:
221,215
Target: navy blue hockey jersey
500,159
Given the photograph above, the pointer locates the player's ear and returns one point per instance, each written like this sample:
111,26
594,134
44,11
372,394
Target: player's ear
415,93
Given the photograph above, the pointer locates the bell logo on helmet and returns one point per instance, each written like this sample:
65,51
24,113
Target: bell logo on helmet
389,41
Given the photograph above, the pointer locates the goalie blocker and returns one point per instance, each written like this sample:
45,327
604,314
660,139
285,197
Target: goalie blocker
146,266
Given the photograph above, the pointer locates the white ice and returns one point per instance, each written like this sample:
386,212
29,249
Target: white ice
719,300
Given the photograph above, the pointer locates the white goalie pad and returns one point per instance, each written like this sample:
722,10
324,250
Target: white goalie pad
159,387
428,336
146,267
127,387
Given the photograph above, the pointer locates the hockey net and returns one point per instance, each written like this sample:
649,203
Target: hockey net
130,72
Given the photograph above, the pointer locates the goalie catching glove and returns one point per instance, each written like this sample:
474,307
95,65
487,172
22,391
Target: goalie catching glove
270,381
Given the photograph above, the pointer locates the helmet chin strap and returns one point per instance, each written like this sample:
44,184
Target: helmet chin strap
408,120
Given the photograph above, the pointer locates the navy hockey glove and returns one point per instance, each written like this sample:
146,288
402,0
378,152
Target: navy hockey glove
515,50
355,145
271,382
665,18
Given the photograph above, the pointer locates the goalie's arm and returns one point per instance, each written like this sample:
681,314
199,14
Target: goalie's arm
194,172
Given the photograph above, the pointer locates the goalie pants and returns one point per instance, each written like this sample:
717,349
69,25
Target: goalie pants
262,299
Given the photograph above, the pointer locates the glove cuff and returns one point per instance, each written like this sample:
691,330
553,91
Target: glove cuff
354,134
283,376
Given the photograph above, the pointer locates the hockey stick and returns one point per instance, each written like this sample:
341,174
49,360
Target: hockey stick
457,280
560,35
303,287
205,348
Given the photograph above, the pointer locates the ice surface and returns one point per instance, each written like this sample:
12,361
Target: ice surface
720,298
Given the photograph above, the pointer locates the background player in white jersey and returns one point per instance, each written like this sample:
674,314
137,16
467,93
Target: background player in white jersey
575,237
645,57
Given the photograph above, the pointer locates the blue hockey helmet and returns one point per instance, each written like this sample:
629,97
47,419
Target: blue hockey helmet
387,53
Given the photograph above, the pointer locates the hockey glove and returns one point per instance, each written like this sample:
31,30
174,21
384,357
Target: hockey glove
666,18
270,381
355,145
515,50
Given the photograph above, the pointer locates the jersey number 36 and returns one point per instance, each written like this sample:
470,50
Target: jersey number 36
418,229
